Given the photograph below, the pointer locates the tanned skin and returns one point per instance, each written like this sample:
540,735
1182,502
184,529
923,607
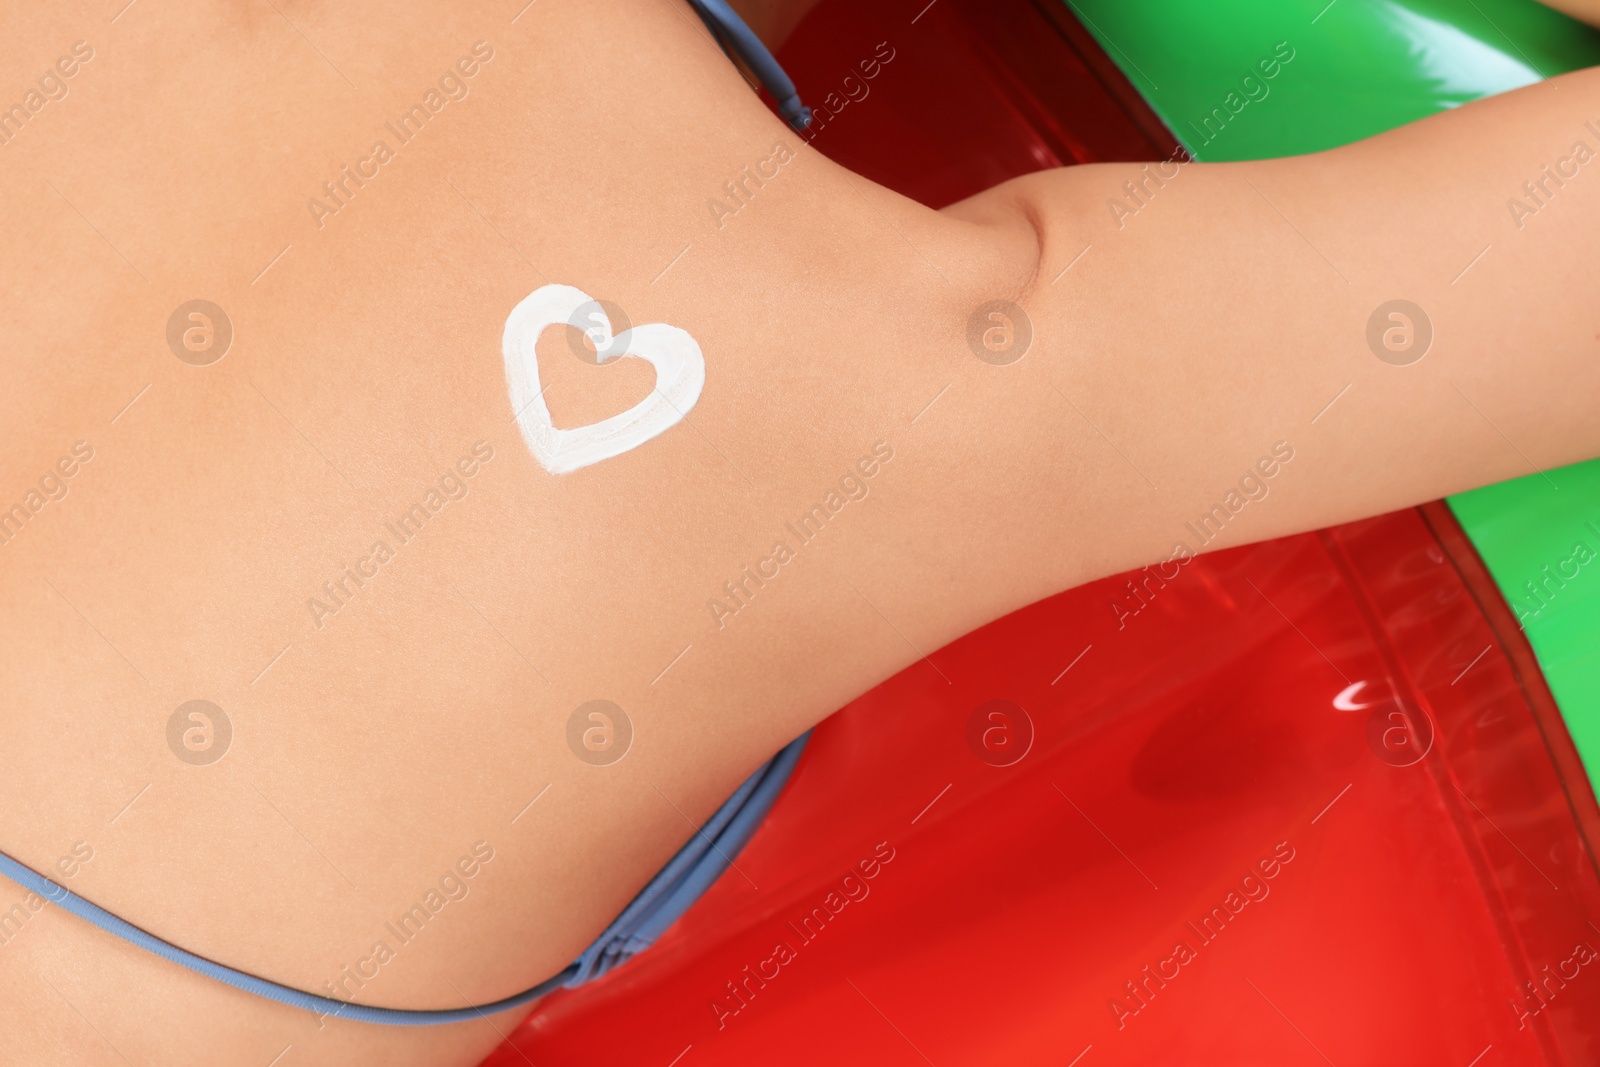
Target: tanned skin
373,747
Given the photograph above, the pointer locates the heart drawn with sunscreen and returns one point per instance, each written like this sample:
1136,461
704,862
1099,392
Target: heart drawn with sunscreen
680,374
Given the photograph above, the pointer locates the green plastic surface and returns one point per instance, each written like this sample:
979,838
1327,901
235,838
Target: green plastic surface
1216,72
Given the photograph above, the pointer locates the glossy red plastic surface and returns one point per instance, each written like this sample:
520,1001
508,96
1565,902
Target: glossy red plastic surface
1304,802
975,93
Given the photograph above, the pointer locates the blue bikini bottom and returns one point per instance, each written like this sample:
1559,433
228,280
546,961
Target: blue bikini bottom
670,893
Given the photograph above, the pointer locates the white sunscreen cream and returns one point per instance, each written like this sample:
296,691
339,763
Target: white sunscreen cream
680,374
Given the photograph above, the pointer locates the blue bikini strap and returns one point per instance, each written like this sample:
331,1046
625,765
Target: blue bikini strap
668,895
733,32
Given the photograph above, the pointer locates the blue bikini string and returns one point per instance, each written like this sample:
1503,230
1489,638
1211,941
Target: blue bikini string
670,893
730,28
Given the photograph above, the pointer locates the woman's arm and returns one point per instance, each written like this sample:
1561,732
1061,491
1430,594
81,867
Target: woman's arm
1219,309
